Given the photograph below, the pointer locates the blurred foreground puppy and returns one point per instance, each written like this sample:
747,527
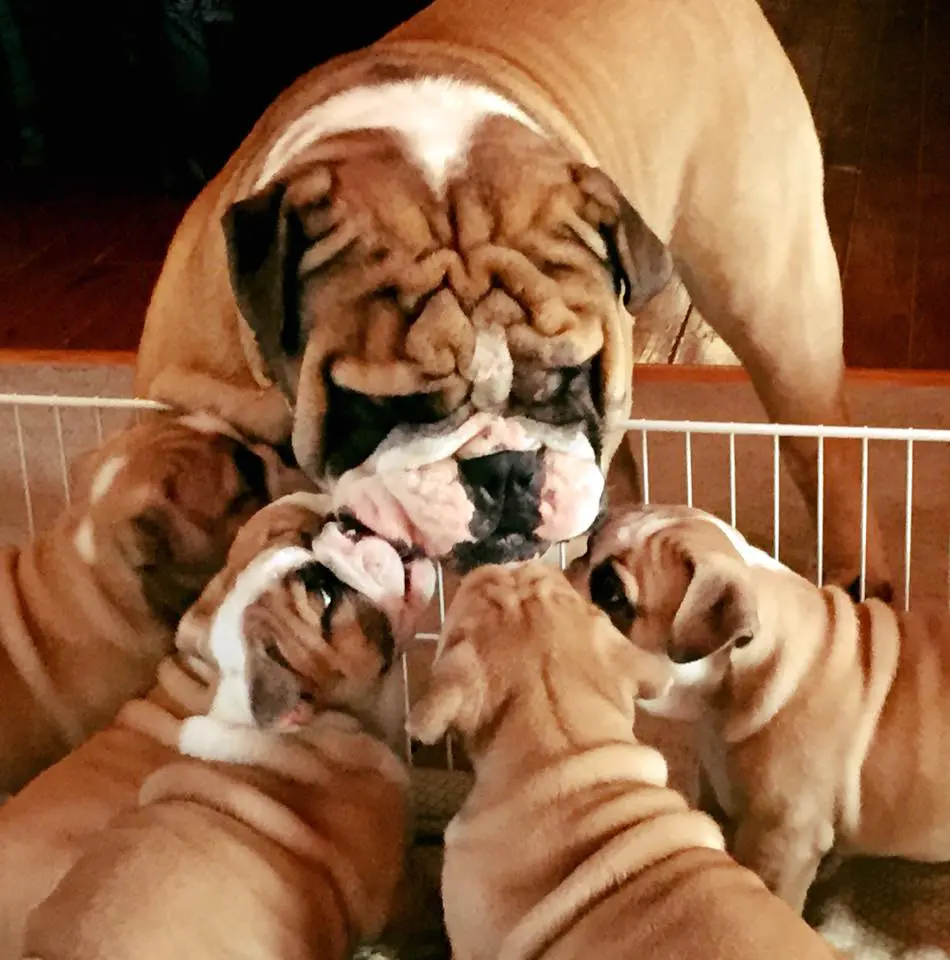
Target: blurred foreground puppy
823,723
570,843
89,608
338,644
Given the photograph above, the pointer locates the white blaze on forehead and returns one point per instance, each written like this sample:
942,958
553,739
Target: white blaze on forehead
227,642
105,476
435,115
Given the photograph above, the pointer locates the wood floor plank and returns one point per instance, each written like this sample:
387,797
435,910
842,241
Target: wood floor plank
880,277
805,30
101,308
841,187
930,333
841,107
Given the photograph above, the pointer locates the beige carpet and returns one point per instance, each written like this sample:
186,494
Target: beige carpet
908,902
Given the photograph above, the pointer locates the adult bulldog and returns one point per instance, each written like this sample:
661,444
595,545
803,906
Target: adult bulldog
451,222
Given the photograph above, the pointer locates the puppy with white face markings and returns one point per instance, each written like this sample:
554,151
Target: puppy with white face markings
285,771
89,608
820,720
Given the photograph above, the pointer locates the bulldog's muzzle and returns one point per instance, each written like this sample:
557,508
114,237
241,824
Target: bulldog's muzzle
490,489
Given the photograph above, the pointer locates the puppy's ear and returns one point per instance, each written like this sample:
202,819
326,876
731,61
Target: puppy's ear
172,550
641,262
718,611
454,698
148,543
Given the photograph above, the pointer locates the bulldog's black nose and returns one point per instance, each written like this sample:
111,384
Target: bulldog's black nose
505,489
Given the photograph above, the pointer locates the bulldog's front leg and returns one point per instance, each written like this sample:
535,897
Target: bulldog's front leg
784,855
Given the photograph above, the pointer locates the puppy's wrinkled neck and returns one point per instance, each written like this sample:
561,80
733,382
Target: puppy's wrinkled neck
559,717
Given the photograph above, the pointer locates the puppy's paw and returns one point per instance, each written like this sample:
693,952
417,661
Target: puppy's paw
207,738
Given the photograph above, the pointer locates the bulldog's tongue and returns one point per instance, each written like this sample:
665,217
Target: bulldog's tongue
371,566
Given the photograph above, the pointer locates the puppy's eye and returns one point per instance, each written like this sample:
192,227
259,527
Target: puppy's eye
608,593
318,581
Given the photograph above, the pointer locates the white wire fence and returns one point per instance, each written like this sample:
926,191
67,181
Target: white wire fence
733,469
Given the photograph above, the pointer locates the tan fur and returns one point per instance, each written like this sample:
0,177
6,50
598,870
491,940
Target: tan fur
570,843
694,113
295,854
287,843
829,716
46,827
79,637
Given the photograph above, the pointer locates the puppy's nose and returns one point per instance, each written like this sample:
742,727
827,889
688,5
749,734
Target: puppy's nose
505,488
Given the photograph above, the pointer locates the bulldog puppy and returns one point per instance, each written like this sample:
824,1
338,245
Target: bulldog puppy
570,843
462,219
89,608
56,816
822,722
284,835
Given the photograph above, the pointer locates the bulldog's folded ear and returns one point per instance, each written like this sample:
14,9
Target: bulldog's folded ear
719,610
261,234
641,262
454,698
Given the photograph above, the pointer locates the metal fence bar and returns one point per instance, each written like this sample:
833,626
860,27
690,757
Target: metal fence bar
63,460
732,479
101,403
820,518
864,514
100,433
689,469
808,431
908,512
24,473
645,466
776,496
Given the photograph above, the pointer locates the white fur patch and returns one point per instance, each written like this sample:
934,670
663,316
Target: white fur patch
214,739
105,476
753,556
436,116
85,540
232,702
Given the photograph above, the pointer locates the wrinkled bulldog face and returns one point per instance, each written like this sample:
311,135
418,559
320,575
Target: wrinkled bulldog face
455,352
304,618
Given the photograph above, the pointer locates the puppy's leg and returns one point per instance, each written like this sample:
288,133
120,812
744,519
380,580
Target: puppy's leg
755,253
785,856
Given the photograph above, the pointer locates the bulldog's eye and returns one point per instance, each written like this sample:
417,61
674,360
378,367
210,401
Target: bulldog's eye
607,592
318,581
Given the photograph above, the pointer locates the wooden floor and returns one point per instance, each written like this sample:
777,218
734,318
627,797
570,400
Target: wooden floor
78,259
